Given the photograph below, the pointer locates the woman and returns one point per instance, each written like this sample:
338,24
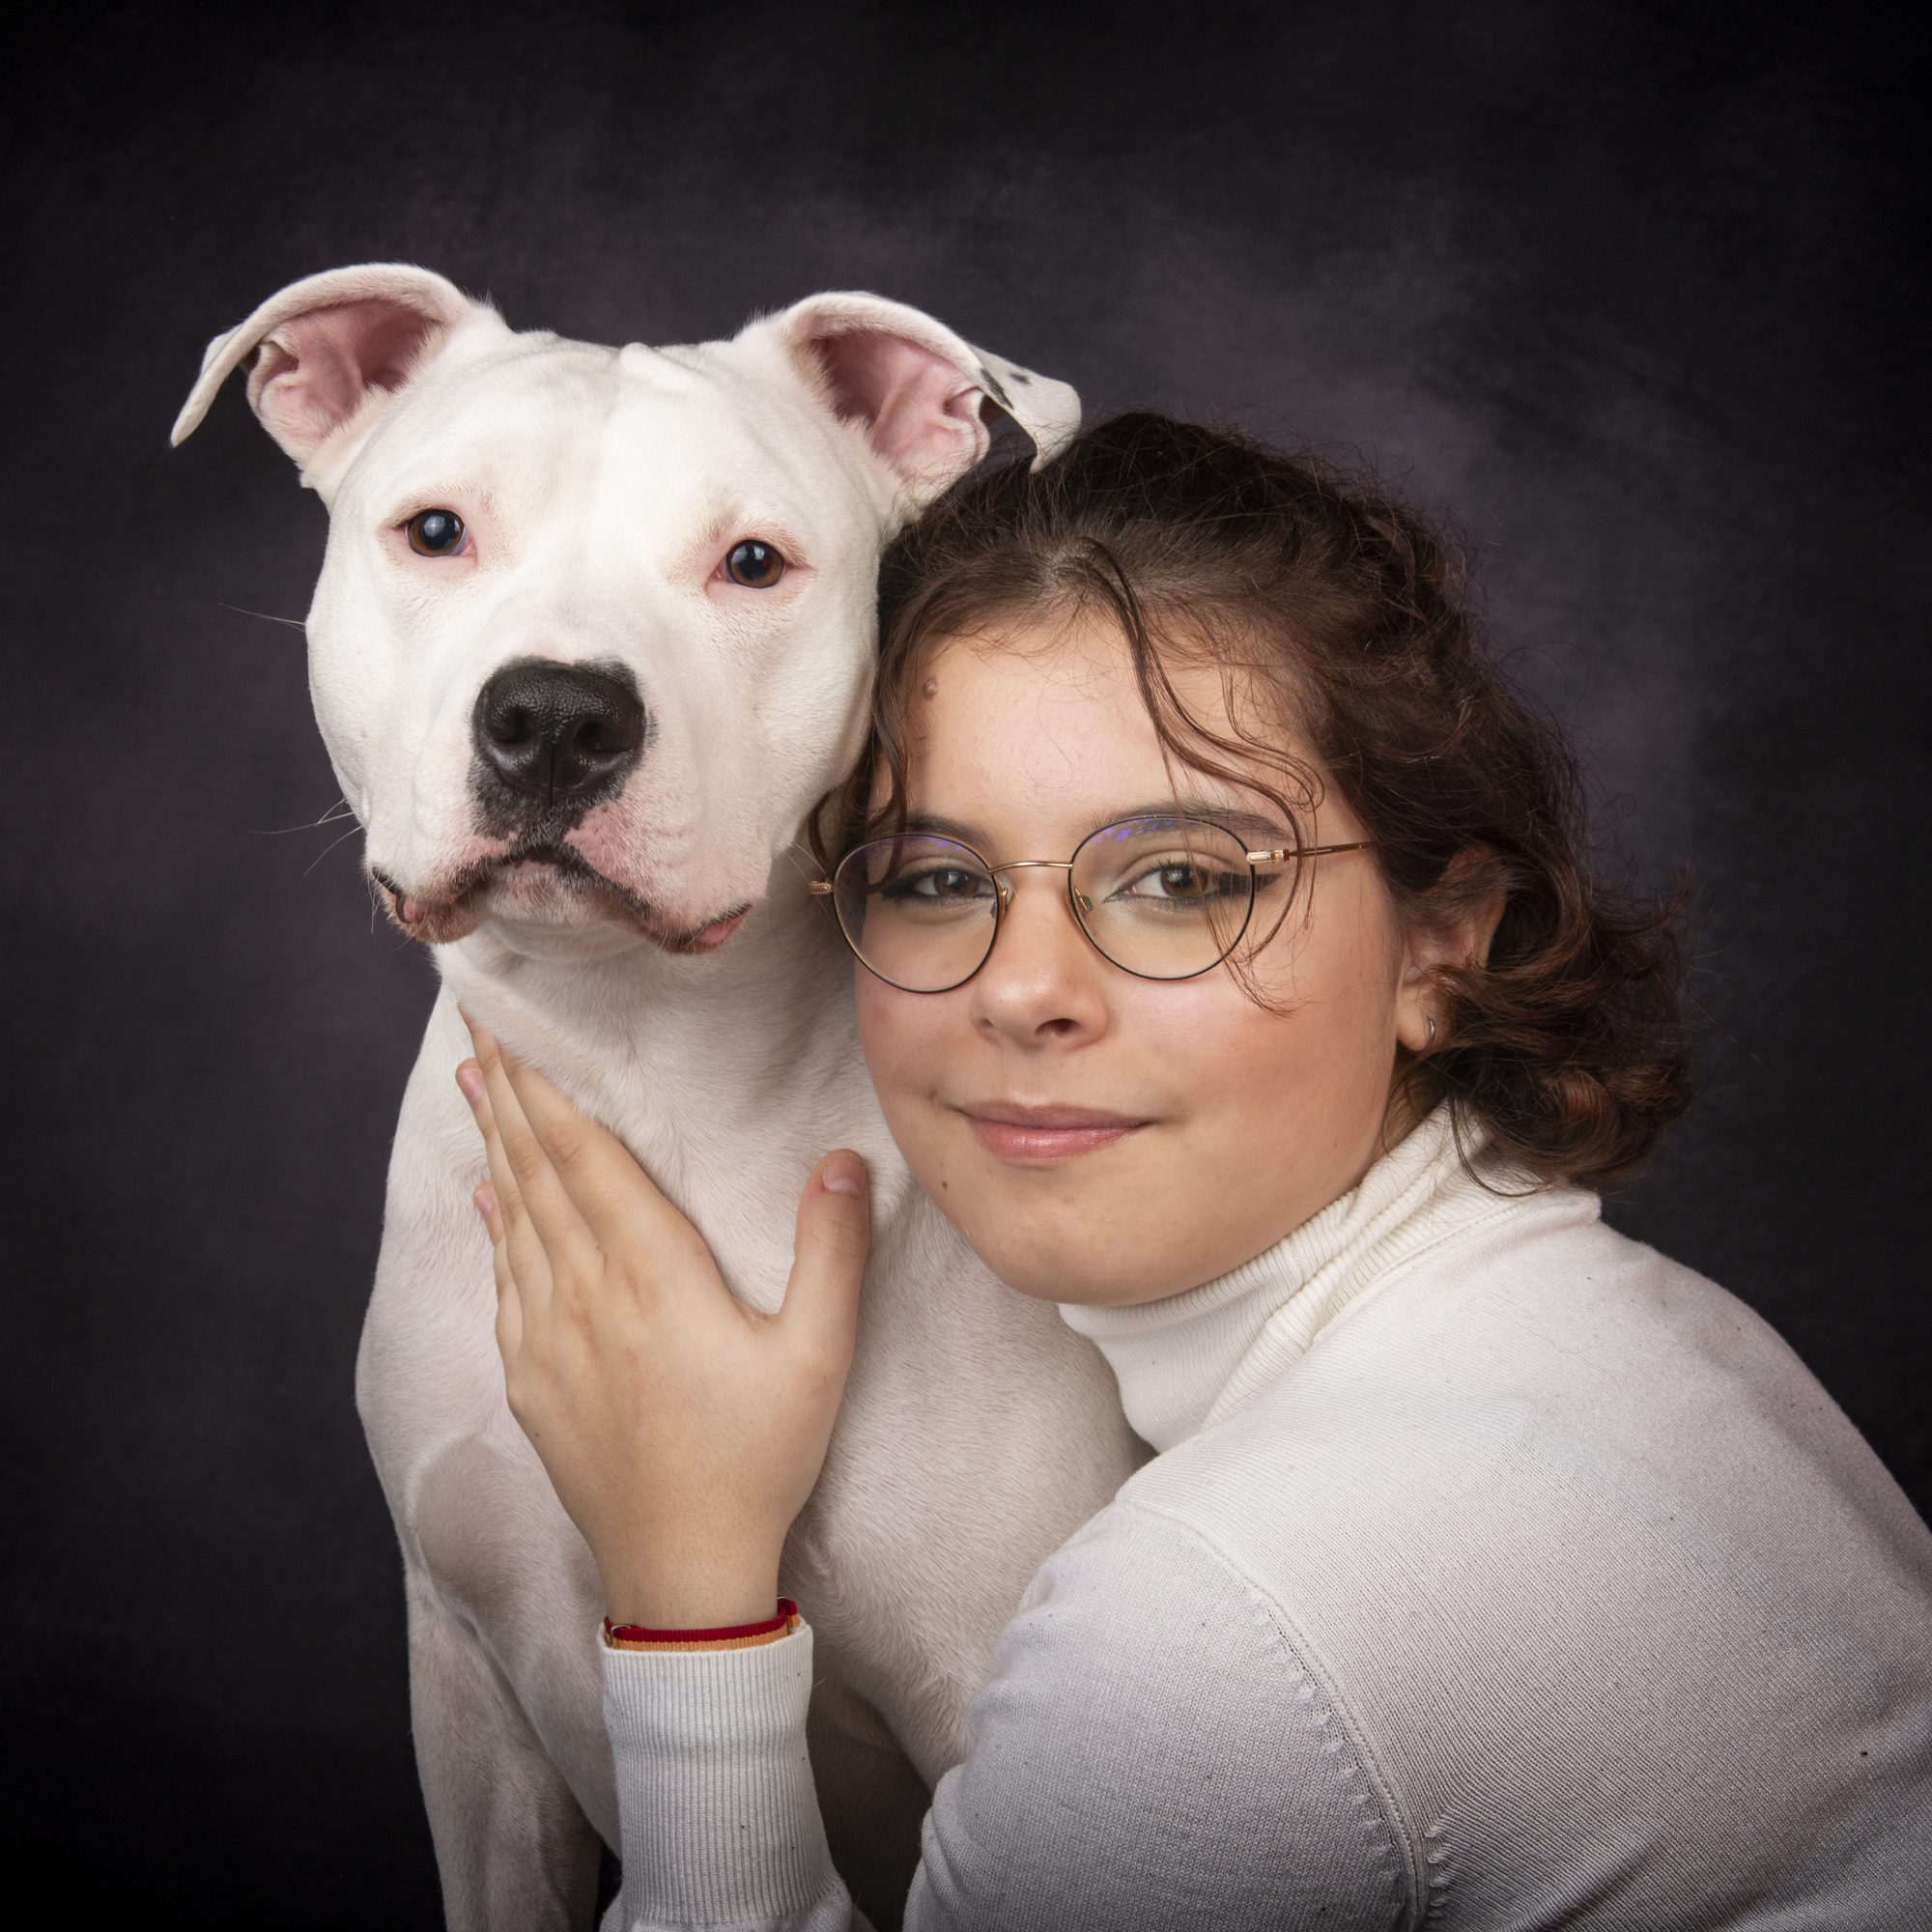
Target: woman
1231,976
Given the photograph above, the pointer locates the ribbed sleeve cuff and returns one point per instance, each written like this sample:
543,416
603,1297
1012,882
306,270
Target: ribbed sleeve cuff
718,1816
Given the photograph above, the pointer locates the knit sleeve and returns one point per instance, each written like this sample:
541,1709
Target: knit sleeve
718,1816
1154,1752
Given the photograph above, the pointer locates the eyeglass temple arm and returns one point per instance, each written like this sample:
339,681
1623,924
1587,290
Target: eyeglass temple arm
1299,852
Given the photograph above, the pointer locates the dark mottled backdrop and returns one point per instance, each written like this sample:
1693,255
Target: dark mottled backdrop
1628,290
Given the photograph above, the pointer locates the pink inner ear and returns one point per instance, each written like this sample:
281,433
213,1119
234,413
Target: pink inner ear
920,409
312,374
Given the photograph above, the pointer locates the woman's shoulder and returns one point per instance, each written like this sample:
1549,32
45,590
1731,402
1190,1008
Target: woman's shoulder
1551,1502
1543,1354
1539,1278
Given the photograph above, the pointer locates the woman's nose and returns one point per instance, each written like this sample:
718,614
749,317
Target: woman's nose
1043,982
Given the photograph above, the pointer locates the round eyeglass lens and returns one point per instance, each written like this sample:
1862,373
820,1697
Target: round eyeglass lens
920,912
1164,898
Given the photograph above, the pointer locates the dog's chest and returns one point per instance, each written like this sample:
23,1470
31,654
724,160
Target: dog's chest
735,1162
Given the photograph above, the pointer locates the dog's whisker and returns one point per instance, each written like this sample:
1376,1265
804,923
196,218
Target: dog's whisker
328,848
267,616
334,815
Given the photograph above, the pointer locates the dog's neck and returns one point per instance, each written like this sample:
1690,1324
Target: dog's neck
692,1025
700,1064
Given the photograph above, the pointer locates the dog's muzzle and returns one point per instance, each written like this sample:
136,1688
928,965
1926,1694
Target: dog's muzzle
552,740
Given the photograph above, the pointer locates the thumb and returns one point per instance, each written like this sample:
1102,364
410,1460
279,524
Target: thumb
821,1303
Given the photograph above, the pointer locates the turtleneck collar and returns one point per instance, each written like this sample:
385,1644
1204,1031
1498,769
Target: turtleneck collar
1191,1360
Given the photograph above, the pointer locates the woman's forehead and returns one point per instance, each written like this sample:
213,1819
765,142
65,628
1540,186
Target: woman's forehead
1051,719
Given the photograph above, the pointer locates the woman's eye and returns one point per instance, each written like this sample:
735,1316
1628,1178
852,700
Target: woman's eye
757,565
435,532
1183,884
1168,882
949,882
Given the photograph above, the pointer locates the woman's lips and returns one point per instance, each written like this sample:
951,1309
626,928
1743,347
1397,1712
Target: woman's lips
1044,1133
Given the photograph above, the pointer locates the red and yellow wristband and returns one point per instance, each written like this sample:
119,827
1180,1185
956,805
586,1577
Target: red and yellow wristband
730,1637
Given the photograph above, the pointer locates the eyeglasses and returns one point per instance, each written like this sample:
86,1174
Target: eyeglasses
1161,897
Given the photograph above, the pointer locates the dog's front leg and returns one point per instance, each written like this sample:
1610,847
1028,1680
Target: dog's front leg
501,1592
872,1799
514,1849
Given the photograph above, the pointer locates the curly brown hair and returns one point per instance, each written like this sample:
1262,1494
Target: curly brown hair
1350,614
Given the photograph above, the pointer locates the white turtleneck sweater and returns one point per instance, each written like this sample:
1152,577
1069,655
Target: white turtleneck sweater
1495,1572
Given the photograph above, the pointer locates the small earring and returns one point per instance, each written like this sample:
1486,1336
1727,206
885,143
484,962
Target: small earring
1431,1047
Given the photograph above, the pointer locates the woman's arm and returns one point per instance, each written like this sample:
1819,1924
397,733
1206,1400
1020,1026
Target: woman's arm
683,1433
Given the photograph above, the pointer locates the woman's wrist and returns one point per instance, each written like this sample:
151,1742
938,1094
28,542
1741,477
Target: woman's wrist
703,1593
774,1629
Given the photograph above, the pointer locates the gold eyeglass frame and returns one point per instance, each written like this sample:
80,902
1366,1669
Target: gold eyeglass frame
1256,857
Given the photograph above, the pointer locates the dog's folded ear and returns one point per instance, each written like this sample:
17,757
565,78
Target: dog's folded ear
328,350
919,389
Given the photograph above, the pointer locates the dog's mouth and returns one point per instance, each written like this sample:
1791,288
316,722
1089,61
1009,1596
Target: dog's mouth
556,872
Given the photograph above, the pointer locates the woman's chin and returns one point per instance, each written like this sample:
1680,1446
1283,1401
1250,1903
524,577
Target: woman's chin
1074,1273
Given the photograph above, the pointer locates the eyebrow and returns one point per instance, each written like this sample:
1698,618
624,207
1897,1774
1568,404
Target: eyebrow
931,824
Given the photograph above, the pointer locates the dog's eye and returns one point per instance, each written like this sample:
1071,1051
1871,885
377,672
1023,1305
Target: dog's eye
756,565
435,532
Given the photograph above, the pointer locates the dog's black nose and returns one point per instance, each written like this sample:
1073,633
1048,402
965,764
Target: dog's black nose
556,735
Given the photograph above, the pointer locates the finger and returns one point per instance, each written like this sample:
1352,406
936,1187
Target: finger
505,1200
551,1216
821,1303
615,1196
509,1302
514,1244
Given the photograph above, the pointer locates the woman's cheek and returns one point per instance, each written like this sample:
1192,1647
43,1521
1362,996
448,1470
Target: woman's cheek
871,1000
903,1037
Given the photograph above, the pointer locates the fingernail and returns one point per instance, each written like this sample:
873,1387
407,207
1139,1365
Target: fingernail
484,1199
844,1174
469,1077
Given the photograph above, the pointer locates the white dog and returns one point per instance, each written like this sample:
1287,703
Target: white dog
593,632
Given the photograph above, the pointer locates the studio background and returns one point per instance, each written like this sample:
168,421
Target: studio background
1627,291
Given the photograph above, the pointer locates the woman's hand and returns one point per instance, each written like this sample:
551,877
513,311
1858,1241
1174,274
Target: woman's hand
681,1430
